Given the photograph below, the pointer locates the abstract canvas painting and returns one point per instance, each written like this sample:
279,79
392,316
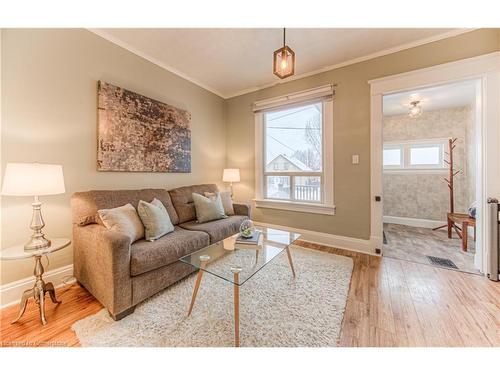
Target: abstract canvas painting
139,134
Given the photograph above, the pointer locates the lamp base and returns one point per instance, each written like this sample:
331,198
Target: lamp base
37,242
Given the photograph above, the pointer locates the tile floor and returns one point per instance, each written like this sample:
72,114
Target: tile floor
414,244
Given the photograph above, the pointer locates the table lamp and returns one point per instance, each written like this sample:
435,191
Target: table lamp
33,179
231,175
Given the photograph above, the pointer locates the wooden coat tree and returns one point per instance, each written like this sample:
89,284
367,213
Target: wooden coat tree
449,180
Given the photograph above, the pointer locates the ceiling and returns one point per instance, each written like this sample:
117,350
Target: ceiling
432,98
230,62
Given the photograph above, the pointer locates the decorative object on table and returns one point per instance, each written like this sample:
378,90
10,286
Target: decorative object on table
247,228
472,210
252,239
139,134
33,179
284,60
41,287
450,182
231,175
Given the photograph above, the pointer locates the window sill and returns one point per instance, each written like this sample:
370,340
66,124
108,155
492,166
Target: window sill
315,208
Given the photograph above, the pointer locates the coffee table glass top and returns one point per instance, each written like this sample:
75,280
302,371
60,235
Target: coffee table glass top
222,258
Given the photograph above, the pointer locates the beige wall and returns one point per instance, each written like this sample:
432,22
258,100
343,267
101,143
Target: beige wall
49,115
49,85
426,195
351,130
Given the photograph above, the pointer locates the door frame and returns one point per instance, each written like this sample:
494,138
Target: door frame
486,70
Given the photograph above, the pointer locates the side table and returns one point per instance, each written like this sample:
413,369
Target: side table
41,287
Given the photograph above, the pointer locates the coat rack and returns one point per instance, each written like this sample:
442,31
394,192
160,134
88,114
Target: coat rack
451,175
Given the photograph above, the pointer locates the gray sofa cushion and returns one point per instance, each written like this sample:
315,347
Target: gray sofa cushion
217,229
182,200
147,256
86,204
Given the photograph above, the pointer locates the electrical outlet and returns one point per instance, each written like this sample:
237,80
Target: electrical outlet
355,159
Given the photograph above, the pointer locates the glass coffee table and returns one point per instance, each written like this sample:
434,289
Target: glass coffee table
236,263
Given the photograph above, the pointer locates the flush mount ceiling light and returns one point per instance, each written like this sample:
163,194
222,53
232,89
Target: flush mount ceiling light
415,109
284,60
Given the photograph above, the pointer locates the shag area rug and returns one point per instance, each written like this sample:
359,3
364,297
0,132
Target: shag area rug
276,310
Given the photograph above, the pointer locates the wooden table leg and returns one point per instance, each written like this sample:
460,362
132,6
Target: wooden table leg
290,259
236,271
204,261
464,235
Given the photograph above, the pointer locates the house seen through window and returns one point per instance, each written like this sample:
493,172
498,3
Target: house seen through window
293,150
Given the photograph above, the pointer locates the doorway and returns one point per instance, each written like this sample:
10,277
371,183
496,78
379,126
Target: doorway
486,70
429,178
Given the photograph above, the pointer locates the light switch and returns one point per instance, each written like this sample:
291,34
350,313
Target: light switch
355,159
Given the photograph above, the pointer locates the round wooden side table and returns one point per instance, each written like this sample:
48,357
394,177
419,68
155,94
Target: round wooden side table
41,287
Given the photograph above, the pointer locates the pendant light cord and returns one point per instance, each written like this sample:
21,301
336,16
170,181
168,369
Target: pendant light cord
284,36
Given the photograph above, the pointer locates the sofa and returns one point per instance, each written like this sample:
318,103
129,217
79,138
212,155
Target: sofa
121,274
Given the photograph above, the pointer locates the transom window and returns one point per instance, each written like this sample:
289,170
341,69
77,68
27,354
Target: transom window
411,155
293,153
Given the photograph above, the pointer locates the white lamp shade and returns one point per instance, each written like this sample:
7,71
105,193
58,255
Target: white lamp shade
231,175
33,179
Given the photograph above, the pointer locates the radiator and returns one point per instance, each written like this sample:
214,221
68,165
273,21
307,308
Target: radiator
493,265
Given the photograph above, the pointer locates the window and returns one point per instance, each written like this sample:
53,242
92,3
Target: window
294,156
393,156
294,141
412,155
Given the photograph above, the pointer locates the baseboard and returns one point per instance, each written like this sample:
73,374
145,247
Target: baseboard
11,293
327,239
413,222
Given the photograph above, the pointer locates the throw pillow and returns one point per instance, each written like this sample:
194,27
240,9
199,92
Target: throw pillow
208,209
227,201
155,218
123,219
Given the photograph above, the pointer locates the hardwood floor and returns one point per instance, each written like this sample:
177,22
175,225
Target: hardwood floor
391,303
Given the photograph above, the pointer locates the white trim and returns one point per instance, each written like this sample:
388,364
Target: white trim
315,208
317,93
485,69
388,51
327,239
153,60
413,222
11,293
326,206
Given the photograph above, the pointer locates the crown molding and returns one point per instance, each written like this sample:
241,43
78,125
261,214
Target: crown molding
177,72
153,60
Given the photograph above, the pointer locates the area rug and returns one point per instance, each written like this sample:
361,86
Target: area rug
276,310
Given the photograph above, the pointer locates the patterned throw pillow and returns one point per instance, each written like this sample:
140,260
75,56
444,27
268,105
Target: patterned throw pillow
123,219
155,218
208,208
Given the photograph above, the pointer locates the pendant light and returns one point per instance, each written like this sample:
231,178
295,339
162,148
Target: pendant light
284,60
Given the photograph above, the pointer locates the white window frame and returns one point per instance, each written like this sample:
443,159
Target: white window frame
326,206
406,146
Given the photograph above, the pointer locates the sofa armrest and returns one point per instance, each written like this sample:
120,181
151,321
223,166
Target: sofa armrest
102,265
243,209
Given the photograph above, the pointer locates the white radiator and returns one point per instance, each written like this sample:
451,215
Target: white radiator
493,256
